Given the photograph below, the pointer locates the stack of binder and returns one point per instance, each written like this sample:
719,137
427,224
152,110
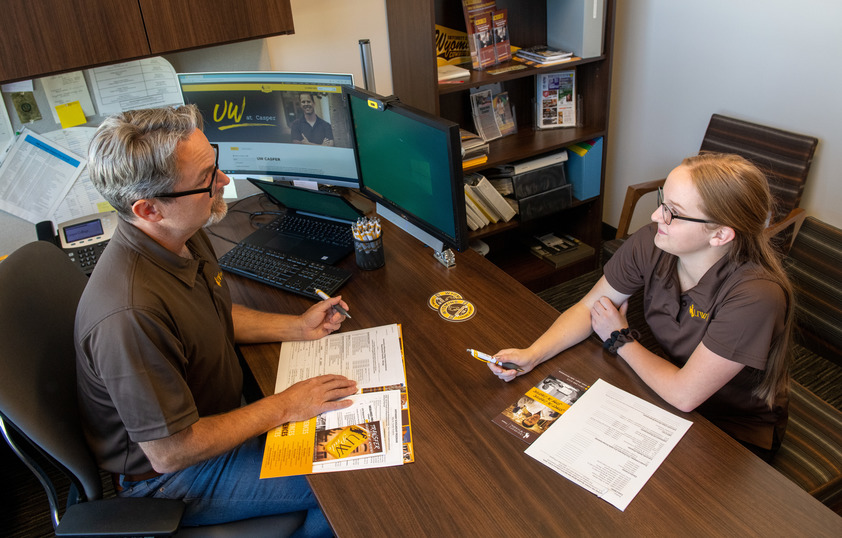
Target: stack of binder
483,204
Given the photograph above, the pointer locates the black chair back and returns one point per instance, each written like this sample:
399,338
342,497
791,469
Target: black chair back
39,291
785,157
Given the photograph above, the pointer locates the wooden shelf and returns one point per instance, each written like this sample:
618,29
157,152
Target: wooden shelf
481,78
415,82
529,141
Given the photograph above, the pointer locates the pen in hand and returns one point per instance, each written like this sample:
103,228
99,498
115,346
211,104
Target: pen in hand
485,357
338,308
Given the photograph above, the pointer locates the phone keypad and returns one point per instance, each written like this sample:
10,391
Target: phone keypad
86,257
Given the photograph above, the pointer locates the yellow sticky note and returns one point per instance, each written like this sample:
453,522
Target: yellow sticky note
102,207
71,114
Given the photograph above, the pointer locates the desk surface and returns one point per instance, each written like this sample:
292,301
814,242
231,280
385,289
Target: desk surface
472,478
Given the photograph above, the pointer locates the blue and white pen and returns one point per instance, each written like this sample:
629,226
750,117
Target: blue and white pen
485,357
338,308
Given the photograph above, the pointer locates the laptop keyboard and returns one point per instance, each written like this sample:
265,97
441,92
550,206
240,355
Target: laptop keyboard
335,233
289,273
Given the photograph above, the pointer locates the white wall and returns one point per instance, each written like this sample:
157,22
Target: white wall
327,35
767,61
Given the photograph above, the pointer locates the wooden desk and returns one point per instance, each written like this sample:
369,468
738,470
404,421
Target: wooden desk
471,478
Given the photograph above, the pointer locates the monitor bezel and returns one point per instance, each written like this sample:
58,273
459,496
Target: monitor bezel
281,175
459,240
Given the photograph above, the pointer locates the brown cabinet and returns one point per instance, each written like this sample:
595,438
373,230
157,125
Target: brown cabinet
412,43
44,37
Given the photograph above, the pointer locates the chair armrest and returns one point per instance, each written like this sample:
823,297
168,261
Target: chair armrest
633,194
122,517
795,219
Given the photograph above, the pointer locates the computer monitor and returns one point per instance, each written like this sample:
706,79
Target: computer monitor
410,163
287,126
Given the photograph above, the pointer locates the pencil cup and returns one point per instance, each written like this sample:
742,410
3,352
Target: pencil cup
370,253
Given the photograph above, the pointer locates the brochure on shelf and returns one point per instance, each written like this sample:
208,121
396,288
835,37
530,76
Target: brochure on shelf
556,99
484,117
473,9
502,45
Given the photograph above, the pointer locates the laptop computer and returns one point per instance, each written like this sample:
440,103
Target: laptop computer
315,207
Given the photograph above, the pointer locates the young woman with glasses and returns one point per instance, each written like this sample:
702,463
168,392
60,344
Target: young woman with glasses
714,295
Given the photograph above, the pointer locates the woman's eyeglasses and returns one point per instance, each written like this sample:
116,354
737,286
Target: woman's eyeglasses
669,215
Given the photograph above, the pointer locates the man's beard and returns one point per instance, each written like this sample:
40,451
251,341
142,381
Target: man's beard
218,210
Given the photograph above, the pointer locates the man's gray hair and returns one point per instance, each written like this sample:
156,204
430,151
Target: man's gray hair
133,154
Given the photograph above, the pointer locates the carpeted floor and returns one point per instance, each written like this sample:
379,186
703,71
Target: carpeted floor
819,375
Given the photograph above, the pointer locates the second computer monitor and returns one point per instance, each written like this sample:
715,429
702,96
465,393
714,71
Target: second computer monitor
410,164
288,126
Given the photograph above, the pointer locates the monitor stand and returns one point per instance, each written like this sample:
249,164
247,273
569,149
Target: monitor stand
445,256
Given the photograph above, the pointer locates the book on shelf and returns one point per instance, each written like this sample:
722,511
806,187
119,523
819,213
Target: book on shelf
542,54
451,46
500,26
453,72
472,144
474,217
373,432
532,413
533,63
474,161
474,149
556,99
487,214
559,251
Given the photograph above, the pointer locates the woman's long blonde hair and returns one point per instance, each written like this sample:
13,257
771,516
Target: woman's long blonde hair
735,193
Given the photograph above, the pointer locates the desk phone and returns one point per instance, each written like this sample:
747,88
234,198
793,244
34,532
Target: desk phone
84,238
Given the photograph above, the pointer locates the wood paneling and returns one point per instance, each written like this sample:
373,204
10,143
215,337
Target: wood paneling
184,24
49,36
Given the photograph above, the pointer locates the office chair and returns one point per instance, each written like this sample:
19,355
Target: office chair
783,156
39,291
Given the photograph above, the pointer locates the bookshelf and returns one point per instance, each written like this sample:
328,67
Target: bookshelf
414,78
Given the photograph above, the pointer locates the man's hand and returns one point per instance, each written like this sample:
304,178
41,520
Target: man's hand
321,319
214,434
313,396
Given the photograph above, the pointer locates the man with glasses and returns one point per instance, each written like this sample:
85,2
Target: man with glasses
159,380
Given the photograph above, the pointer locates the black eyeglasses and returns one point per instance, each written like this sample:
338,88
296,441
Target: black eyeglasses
669,215
208,189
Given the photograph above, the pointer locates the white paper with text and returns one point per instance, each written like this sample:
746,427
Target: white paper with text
609,442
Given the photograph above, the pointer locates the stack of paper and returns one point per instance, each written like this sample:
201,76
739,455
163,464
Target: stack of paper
453,73
543,55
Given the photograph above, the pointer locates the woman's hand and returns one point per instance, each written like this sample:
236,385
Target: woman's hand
607,318
516,356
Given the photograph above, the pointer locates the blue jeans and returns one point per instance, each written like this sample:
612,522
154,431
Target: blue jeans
229,488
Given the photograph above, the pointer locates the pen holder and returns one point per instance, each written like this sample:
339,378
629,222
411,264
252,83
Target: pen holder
370,253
